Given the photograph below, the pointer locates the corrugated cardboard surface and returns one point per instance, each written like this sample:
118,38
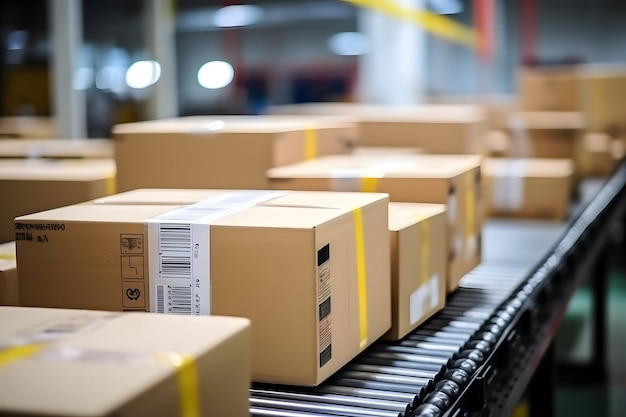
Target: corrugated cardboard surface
263,265
30,127
540,134
441,179
436,128
8,275
56,148
219,152
596,90
602,153
418,264
79,363
537,188
28,186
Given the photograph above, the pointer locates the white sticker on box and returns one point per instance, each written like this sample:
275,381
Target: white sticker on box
239,199
433,290
179,259
508,186
417,304
346,180
424,299
452,207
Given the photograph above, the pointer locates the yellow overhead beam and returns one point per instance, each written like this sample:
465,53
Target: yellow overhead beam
432,22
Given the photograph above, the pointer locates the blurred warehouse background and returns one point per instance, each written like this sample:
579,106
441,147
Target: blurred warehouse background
129,53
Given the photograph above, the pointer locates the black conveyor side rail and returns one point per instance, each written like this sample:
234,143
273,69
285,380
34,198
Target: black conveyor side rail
520,332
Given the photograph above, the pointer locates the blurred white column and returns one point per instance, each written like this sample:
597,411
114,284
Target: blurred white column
66,32
160,38
394,70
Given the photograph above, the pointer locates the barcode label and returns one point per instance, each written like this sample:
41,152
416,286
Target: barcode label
160,297
175,250
178,261
324,305
179,300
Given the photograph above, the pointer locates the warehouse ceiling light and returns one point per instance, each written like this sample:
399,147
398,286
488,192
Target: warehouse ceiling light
142,74
110,78
215,74
349,43
17,40
237,15
83,78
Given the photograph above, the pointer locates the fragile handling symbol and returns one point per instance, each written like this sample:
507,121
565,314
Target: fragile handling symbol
133,293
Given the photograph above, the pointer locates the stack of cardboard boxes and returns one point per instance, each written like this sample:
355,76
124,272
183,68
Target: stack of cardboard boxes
327,233
595,91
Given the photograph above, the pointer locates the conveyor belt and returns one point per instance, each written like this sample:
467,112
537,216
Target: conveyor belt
385,381
477,355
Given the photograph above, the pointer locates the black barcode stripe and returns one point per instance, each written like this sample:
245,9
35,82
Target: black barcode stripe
175,250
160,290
180,300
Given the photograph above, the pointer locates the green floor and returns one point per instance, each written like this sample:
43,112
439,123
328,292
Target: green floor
574,397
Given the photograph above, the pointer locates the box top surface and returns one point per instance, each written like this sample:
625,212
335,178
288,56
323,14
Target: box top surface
427,113
281,217
56,170
545,120
56,148
7,256
402,215
327,199
229,124
380,166
105,358
532,167
162,196
98,213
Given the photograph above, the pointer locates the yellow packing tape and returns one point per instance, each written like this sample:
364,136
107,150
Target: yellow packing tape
187,372
17,353
6,256
111,186
369,185
361,275
310,143
432,22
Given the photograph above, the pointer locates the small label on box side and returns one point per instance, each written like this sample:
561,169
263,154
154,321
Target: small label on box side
424,299
324,305
507,193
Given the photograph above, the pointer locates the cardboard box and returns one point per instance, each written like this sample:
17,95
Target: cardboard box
313,280
441,179
596,90
220,152
536,134
162,196
31,127
418,264
539,188
61,362
386,150
550,89
28,186
8,275
602,153
435,128
56,148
